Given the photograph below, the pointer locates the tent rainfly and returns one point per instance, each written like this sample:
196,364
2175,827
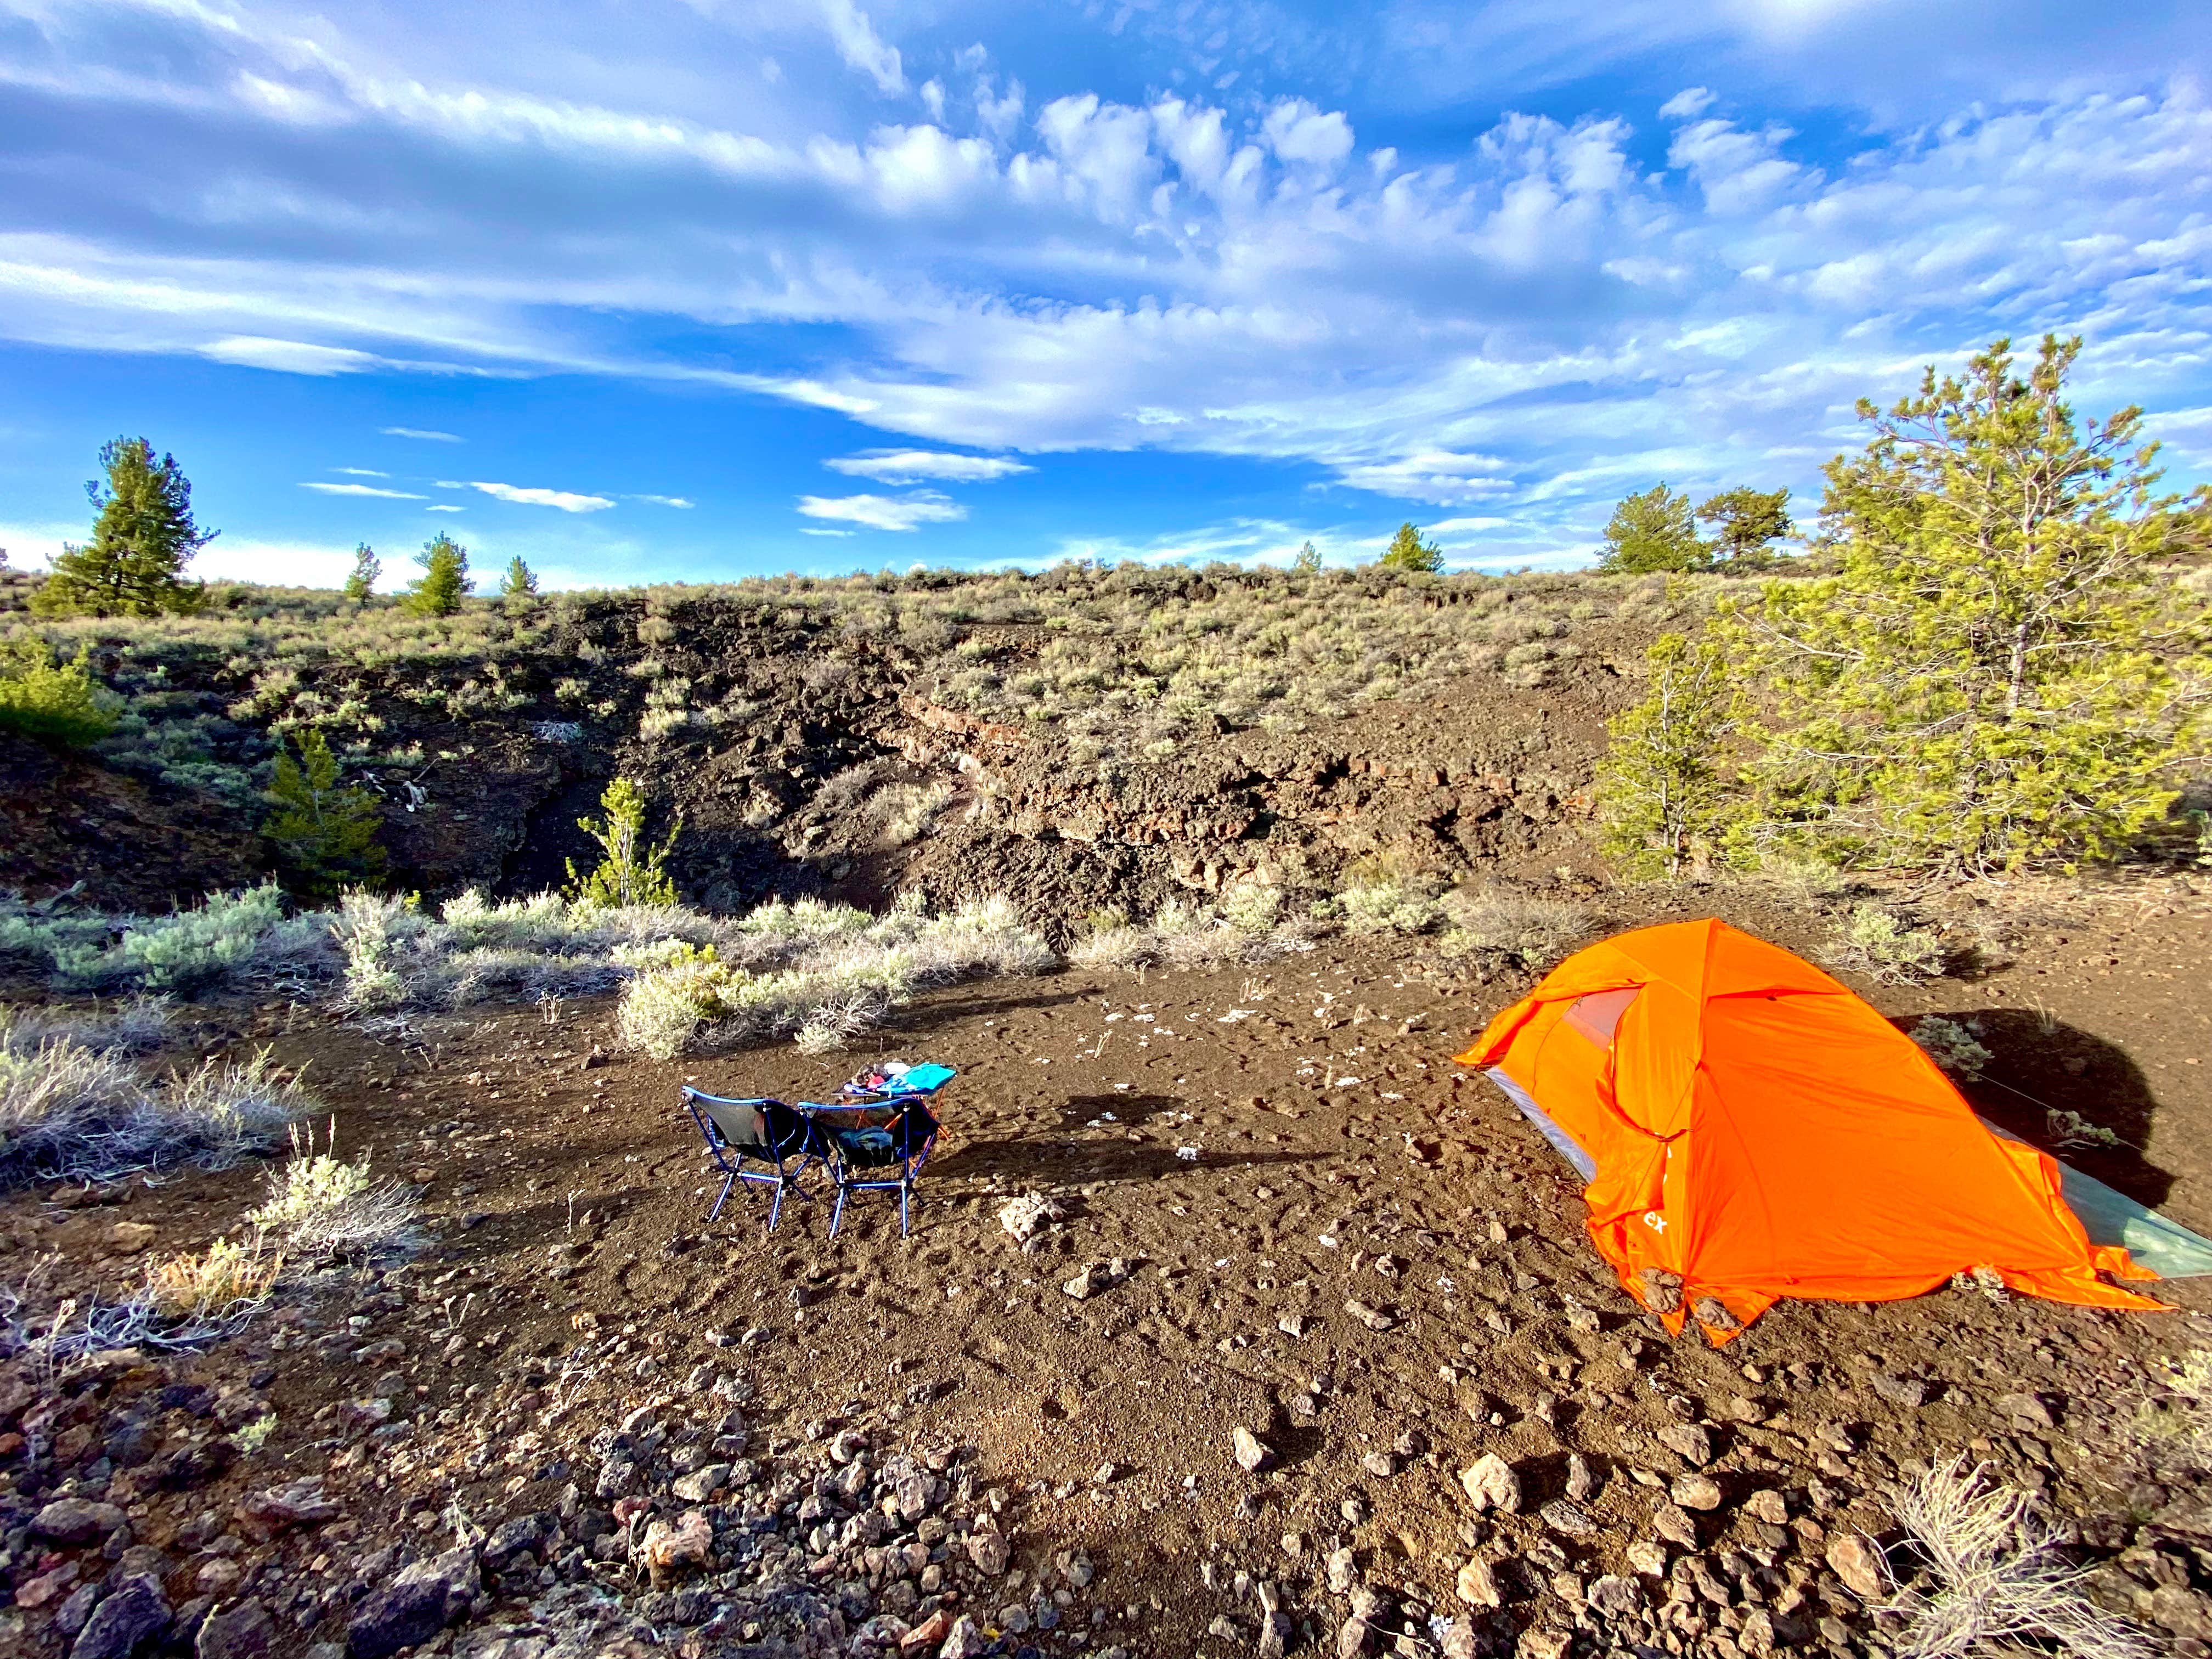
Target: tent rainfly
1750,1130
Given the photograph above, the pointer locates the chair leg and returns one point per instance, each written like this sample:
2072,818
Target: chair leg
903,1190
723,1198
837,1215
776,1207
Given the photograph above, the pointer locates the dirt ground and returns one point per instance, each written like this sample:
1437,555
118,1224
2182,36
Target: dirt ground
1287,1210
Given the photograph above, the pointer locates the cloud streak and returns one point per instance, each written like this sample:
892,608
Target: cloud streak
566,501
1509,325
903,513
906,467
321,489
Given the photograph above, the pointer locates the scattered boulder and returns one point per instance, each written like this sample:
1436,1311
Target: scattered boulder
2026,1411
1028,1215
236,1629
687,1541
414,1606
1477,1585
264,1515
986,1548
1616,1597
133,1613
1855,1560
1562,1515
1491,1484
1252,1453
1696,1492
1689,1441
77,1520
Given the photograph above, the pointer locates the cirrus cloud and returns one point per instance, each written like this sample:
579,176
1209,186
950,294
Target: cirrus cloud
905,466
909,512
566,501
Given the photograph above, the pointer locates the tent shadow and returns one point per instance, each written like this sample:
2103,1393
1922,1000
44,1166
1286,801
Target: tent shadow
2039,1070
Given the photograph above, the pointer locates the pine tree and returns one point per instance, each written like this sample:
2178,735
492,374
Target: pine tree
1308,561
520,582
361,580
1998,675
144,535
1662,791
444,580
324,834
630,871
1408,551
1654,530
1747,522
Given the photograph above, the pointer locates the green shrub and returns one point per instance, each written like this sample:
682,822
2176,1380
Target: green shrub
630,871
54,702
184,952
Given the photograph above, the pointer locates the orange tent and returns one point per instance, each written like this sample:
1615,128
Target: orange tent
1750,1130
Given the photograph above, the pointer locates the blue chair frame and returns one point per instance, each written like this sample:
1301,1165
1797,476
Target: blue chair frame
905,1113
765,1130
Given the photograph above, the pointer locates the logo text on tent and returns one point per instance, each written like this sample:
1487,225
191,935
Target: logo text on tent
1653,1220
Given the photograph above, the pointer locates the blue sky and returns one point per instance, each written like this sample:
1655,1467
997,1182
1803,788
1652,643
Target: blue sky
687,290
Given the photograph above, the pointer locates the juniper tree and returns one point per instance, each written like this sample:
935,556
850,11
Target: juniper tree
438,591
520,582
1663,790
141,538
1308,560
1746,523
630,871
57,702
1408,551
1998,674
1654,530
361,580
323,833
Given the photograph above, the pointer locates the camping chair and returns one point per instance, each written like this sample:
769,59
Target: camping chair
767,1131
879,1133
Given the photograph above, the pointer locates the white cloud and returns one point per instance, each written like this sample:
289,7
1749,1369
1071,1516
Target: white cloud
361,471
1687,105
1297,131
362,489
817,529
665,500
567,500
906,467
442,506
287,357
861,48
417,432
908,512
1521,324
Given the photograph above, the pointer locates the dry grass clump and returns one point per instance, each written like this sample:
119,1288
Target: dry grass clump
72,1112
2177,1421
1885,947
1990,1577
134,1026
1532,930
228,936
1388,904
823,973
320,1206
1244,928
221,1284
